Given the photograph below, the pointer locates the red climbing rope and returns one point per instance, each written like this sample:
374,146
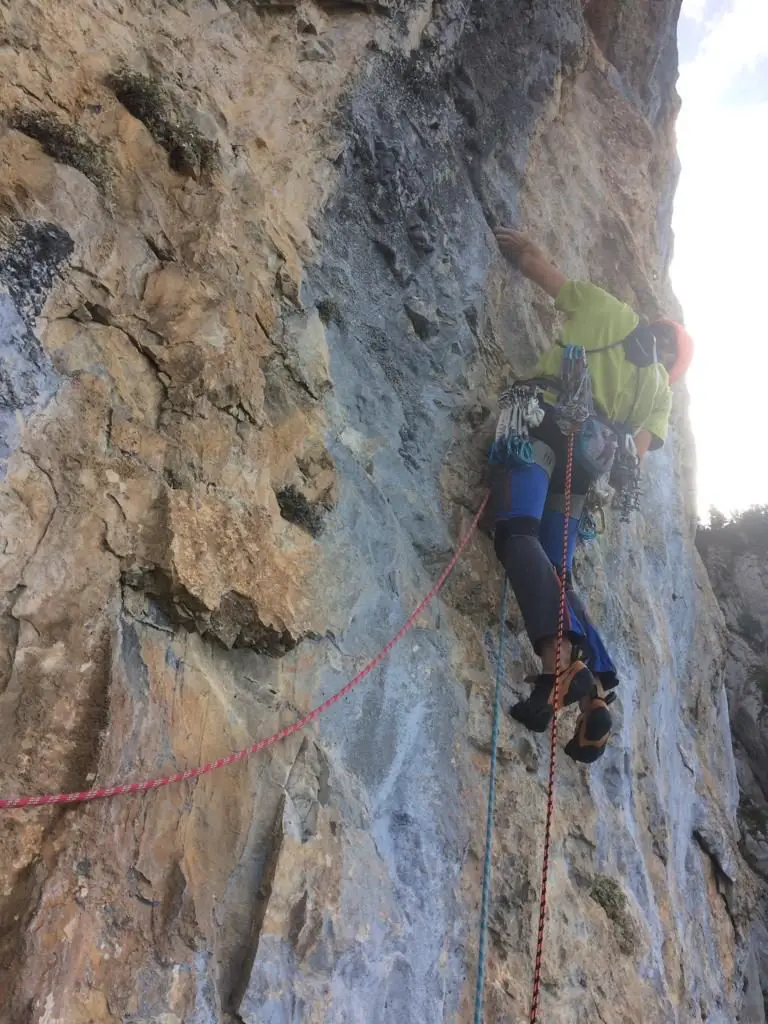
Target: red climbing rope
552,743
240,755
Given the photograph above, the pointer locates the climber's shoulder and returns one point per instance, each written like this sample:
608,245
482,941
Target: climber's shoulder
585,297
594,317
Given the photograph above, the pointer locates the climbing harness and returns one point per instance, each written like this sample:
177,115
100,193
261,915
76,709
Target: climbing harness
574,403
486,894
26,802
536,994
519,410
603,448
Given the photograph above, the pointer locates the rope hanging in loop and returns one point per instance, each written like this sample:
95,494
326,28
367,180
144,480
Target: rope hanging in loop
485,901
553,741
102,793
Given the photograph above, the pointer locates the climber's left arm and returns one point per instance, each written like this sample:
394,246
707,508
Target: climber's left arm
530,260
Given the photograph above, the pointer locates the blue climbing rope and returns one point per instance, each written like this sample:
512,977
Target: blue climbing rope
486,897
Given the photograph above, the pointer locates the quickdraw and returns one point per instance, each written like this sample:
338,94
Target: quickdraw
625,478
519,411
592,523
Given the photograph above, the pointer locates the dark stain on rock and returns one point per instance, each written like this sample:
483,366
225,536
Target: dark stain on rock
235,623
30,264
297,509
136,672
149,101
65,143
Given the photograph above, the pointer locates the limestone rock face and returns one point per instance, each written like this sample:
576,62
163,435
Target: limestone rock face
735,557
252,325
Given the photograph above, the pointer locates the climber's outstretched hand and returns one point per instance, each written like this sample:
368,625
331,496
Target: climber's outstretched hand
516,246
530,260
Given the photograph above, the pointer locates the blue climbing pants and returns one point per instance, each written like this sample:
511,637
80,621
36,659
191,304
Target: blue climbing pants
528,506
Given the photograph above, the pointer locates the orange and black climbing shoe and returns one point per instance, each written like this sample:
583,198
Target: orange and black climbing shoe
593,728
575,683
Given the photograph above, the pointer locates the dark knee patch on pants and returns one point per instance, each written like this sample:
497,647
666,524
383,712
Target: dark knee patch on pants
520,526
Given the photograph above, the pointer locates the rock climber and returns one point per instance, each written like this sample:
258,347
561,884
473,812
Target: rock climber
629,365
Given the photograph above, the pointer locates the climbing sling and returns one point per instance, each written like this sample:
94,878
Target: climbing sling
603,448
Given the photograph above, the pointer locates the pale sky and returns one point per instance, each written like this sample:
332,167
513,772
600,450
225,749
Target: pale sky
719,271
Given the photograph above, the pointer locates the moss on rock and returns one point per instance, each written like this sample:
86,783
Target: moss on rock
149,101
64,143
608,893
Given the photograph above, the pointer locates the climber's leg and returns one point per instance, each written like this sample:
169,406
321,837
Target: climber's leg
594,723
586,636
551,537
519,498
552,523
538,594
593,651
541,522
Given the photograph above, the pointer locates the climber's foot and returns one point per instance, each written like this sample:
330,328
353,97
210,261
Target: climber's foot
535,712
593,728
575,683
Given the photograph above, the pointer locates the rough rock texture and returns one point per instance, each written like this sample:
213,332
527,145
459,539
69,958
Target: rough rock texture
246,377
735,557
